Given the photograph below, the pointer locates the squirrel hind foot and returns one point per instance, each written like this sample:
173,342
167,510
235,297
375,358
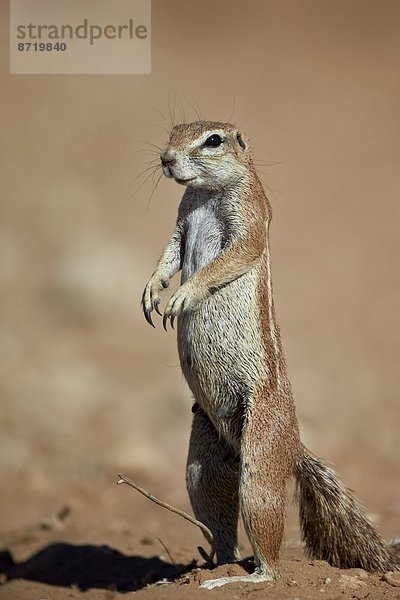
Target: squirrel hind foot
256,577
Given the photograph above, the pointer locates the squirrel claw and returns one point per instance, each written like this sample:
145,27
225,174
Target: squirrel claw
147,316
156,303
171,318
164,322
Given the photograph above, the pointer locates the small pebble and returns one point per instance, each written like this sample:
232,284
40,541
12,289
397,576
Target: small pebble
49,523
360,573
350,582
317,563
392,578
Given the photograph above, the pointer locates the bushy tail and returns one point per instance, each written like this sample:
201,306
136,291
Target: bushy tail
333,523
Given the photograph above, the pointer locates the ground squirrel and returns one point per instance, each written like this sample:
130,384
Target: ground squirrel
245,443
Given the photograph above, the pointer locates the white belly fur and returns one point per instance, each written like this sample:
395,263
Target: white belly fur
203,240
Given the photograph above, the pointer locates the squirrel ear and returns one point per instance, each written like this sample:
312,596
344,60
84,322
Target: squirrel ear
241,141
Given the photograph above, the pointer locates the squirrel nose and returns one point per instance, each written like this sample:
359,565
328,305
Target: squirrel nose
167,158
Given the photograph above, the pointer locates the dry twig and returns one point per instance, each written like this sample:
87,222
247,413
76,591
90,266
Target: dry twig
207,533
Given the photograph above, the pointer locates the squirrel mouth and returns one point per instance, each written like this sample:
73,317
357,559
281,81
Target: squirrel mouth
184,181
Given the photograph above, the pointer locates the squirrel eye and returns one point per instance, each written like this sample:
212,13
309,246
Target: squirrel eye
213,141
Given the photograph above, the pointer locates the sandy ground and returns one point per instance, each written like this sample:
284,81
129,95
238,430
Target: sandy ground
88,390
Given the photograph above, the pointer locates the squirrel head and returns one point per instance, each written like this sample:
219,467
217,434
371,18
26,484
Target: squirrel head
206,154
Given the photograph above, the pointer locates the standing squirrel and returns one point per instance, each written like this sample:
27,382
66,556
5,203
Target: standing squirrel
245,444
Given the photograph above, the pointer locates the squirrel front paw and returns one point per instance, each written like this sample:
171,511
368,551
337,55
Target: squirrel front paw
185,298
151,296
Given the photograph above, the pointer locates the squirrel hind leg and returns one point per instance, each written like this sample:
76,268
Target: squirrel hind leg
268,452
212,479
256,577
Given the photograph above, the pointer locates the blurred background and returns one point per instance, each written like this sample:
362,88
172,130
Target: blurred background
87,388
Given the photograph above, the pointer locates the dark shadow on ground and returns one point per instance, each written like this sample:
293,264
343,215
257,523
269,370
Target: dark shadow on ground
88,566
